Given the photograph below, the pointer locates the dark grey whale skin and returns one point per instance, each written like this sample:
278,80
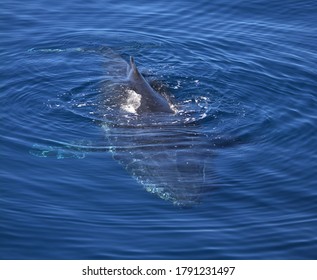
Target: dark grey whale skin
151,100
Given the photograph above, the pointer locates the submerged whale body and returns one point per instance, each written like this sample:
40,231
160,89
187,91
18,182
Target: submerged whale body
151,141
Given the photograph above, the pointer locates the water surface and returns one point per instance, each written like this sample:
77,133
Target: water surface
242,75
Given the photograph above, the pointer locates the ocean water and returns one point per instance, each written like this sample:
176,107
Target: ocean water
231,175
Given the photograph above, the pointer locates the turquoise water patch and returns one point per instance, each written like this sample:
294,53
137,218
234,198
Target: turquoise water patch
44,151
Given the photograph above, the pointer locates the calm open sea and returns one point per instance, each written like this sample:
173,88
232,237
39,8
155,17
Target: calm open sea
232,175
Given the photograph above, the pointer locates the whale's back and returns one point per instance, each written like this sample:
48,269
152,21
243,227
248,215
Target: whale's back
151,100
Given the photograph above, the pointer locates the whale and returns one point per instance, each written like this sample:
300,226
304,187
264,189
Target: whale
153,129
146,134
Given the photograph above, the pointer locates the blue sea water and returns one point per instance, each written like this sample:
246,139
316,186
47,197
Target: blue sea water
243,77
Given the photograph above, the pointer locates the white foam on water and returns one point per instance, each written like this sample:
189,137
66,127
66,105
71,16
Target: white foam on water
133,102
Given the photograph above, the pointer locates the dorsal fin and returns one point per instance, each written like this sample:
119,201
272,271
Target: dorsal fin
133,66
